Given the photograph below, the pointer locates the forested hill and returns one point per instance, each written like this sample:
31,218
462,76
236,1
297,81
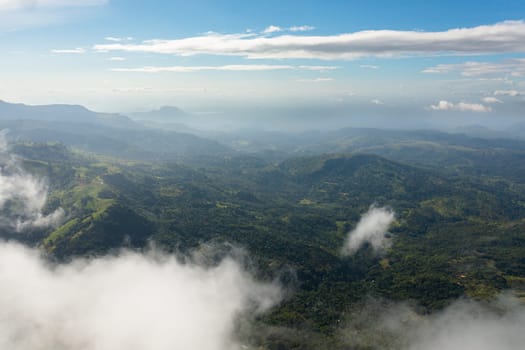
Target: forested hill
453,235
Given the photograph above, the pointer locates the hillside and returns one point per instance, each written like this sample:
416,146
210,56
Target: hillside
450,153
453,236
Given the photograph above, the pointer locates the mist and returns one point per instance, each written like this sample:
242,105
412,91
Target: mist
473,326
371,229
127,301
22,195
464,325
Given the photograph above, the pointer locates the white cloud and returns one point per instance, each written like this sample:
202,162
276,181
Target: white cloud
130,301
462,107
433,70
372,229
368,66
77,51
15,5
512,93
377,102
229,68
304,28
272,29
116,58
508,36
315,80
318,68
491,100
513,67
22,195
118,39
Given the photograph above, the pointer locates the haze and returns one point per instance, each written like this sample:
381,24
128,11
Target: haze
272,65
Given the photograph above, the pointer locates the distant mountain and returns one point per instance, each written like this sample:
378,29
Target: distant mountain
166,114
176,119
483,132
61,113
449,152
517,130
105,133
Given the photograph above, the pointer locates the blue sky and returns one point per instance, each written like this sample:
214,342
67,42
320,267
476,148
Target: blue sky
460,58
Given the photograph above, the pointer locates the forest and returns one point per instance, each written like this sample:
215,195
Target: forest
458,201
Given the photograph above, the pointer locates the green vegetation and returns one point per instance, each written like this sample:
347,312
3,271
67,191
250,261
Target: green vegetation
457,233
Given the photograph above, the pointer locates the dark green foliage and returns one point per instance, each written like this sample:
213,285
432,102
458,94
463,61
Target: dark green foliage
455,235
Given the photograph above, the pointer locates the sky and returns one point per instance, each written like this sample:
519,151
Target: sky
440,59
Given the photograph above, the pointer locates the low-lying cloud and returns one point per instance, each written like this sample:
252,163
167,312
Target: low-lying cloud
372,228
464,325
471,326
22,195
130,301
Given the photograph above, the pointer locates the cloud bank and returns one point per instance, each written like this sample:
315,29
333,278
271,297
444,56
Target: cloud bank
372,229
130,301
22,195
503,37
